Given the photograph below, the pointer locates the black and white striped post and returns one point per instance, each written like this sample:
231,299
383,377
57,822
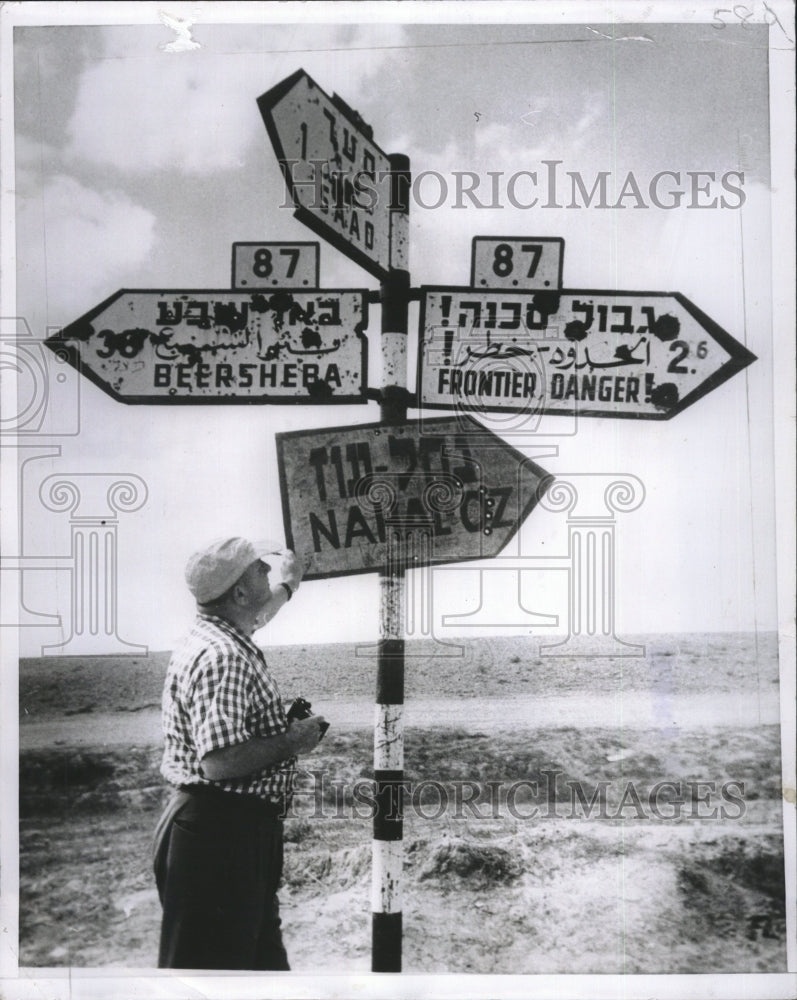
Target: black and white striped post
388,854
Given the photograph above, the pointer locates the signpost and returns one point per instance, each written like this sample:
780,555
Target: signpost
357,198
387,864
620,354
338,178
279,345
347,490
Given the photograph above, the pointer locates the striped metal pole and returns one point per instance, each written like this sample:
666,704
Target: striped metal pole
388,854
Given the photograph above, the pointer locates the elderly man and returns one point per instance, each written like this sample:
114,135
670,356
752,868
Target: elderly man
231,753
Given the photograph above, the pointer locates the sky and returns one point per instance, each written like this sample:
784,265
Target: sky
138,167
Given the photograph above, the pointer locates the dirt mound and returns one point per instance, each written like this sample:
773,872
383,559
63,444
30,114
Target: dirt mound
52,782
480,865
756,865
332,869
464,862
736,887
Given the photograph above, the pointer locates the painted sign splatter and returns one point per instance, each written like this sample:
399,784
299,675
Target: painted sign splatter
224,346
618,354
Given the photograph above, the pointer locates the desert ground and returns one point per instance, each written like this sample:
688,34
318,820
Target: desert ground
564,815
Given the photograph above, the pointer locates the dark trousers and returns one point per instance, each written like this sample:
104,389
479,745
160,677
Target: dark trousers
218,865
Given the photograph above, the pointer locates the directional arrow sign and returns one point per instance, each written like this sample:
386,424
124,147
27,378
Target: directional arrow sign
279,345
337,177
452,492
616,354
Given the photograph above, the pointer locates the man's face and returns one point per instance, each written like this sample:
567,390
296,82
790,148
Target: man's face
258,589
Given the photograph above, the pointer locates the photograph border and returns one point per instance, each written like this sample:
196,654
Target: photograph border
20,983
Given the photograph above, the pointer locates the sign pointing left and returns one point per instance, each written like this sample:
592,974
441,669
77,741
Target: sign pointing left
260,346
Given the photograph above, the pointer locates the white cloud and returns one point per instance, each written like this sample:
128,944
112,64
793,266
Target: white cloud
195,111
493,136
169,114
93,240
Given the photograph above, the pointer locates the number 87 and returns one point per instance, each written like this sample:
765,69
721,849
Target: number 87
263,264
503,262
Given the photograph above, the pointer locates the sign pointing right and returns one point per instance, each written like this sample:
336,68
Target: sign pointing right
620,354
450,488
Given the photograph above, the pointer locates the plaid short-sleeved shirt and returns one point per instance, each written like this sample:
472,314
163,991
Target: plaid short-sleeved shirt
219,693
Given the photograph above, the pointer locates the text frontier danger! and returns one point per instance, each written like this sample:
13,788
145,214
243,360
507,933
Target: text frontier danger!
601,353
524,385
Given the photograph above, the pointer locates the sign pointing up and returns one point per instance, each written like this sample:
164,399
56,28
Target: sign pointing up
338,178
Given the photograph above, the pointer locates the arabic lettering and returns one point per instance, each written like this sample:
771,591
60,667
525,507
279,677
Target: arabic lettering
560,359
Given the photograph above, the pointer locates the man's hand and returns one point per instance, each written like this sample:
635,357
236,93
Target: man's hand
243,759
305,734
293,568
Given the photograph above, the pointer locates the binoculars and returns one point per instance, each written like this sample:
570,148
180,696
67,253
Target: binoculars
300,708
